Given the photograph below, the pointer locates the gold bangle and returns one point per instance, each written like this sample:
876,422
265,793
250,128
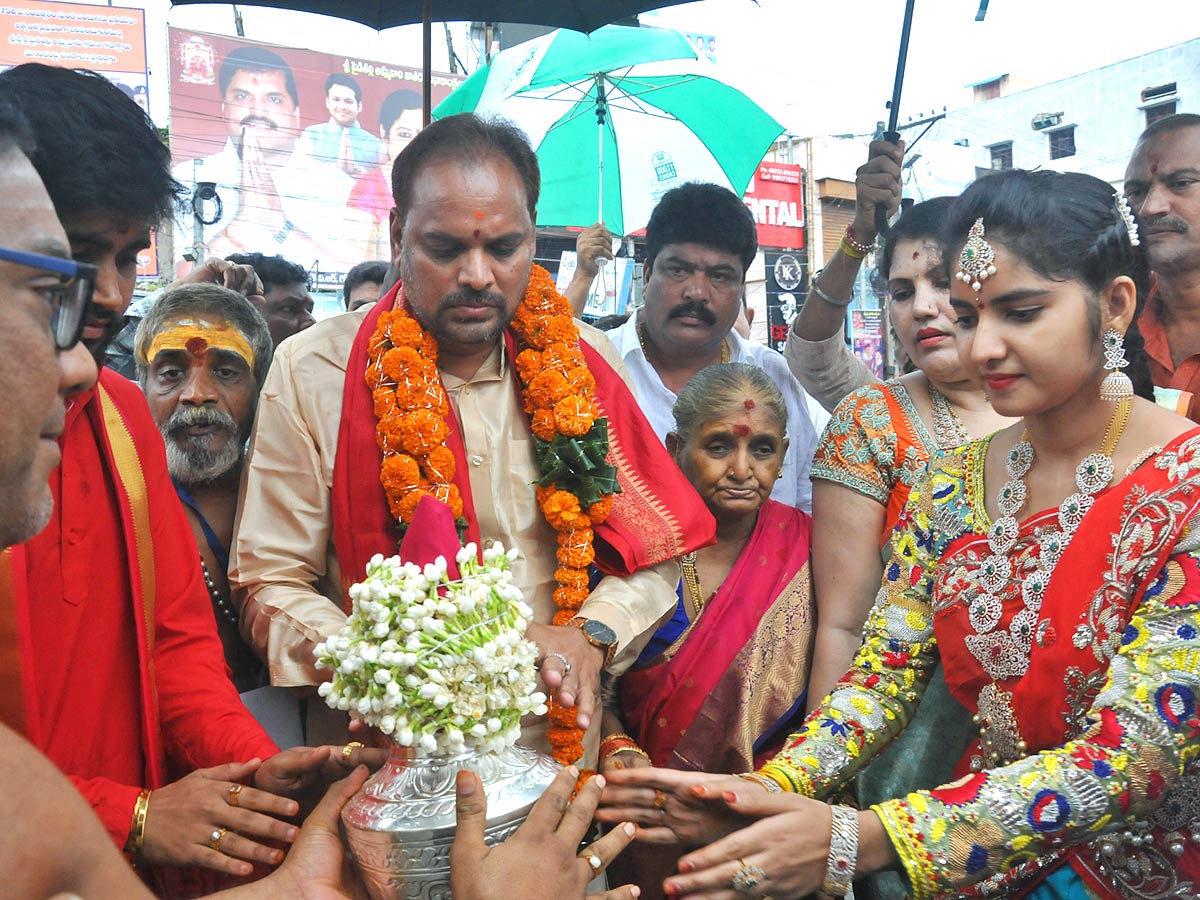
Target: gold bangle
634,748
137,828
617,736
618,743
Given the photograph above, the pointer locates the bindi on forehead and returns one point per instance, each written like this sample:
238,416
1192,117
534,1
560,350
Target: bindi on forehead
916,254
741,430
748,404
196,346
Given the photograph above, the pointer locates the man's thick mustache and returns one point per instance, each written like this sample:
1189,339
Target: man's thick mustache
484,298
199,415
1165,223
696,310
257,120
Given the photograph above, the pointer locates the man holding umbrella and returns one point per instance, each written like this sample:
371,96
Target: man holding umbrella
321,497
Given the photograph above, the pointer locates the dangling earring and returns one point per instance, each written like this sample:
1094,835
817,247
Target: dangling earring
779,474
1116,385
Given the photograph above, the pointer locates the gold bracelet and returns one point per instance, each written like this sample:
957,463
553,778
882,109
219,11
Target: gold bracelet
137,829
638,751
619,743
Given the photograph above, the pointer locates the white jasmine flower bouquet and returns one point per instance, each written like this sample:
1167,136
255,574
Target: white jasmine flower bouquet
441,665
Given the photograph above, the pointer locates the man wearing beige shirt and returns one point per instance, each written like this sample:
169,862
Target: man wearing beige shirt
468,243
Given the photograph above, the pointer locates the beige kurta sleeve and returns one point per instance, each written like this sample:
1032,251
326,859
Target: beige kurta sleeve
283,571
827,369
635,605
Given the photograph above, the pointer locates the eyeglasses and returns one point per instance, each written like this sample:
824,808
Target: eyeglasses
71,299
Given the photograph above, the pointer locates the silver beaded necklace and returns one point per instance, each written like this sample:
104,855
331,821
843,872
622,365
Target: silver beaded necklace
949,430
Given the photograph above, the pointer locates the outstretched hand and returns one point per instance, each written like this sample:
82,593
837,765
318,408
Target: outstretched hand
788,840
317,868
209,819
674,807
302,772
577,681
542,861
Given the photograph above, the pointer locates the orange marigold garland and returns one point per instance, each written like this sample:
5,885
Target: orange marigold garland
559,394
411,408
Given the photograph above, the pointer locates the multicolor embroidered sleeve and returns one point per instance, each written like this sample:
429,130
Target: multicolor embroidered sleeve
858,447
875,700
1143,733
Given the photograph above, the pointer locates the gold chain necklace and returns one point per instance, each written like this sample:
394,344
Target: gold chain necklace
691,580
641,333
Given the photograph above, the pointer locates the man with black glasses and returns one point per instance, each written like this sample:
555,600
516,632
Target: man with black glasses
40,288
124,676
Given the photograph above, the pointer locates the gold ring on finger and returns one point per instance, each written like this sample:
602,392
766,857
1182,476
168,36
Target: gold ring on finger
660,799
747,877
234,793
348,750
595,862
214,839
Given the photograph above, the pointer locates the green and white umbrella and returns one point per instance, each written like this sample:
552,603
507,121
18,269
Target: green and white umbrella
619,118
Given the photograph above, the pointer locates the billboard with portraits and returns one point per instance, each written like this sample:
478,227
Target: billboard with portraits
288,151
110,40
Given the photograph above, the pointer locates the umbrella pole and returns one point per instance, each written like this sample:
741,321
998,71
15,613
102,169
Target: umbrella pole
892,134
601,115
427,65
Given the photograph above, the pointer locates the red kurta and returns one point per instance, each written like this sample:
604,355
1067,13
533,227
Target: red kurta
110,712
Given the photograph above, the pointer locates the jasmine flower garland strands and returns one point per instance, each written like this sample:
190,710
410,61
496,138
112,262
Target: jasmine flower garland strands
442,666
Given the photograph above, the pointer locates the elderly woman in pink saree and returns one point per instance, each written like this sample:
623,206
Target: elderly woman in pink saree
718,685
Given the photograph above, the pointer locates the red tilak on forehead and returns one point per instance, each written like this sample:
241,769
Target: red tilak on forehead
741,430
916,254
197,346
479,214
476,232
749,404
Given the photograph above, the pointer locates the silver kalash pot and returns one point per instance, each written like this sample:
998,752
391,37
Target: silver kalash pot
401,824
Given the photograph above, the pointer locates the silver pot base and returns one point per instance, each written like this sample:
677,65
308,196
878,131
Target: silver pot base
401,824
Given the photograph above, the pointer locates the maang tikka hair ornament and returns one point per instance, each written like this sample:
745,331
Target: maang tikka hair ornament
1126,214
977,260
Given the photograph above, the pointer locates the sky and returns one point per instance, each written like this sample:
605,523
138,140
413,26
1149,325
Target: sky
819,67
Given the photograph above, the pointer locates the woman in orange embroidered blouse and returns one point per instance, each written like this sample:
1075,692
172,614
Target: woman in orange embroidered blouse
880,438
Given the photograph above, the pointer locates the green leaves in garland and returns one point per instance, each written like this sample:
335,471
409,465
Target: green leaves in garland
578,464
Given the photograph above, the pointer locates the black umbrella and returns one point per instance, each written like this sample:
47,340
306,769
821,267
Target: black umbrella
578,15
893,134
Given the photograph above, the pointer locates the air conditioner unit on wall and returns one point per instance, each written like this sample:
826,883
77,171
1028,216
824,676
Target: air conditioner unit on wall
1046,120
